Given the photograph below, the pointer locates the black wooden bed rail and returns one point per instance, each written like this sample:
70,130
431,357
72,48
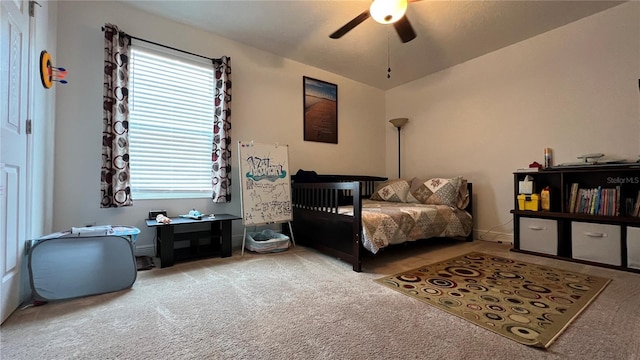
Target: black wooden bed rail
318,223
318,196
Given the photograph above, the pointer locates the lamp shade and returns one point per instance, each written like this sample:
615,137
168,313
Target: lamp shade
399,122
387,11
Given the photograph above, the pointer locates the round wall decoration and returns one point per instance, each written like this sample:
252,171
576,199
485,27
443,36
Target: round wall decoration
46,69
50,73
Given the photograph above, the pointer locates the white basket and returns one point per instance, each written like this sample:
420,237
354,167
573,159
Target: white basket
273,242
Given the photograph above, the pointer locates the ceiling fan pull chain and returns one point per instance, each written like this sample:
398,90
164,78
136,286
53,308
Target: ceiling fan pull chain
388,57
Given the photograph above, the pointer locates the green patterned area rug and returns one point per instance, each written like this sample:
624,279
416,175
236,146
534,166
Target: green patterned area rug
525,302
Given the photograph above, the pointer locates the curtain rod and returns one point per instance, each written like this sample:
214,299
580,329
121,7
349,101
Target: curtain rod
165,46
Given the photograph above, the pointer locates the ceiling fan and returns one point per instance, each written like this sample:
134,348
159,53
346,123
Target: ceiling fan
384,12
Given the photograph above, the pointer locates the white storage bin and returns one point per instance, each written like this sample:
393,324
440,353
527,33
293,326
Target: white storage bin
596,242
633,247
539,235
266,241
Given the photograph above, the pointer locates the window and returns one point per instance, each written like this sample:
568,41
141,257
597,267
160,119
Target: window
171,105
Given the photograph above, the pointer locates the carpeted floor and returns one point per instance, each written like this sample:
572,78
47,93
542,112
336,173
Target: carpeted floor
300,304
525,302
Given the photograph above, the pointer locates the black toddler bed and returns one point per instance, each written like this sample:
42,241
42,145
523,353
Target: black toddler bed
337,214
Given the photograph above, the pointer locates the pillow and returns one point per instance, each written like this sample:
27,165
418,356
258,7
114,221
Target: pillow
437,191
414,183
463,195
395,190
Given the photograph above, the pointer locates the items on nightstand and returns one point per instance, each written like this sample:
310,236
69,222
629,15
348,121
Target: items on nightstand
545,199
547,158
525,186
533,167
153,214
163,219
193,214
528,202
595,159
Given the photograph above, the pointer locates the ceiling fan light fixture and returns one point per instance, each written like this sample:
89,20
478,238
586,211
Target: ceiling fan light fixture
388,11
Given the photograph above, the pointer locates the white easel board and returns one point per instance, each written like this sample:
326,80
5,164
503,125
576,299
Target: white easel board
265,184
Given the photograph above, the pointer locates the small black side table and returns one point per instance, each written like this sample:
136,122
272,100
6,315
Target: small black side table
219,233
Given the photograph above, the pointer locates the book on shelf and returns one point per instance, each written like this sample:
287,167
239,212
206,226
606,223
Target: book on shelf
572,197
595,201
617,200
636,209
628,206
598,201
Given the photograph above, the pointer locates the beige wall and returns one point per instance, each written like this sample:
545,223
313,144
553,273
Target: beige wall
573,89
267,107
42,113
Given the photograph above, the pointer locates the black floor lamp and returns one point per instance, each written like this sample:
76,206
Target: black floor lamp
399,123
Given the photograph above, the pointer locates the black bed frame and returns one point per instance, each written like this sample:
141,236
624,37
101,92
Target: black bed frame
317,223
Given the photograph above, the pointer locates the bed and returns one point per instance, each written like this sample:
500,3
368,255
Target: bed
345,215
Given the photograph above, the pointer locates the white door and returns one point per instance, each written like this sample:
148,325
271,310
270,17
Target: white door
14,68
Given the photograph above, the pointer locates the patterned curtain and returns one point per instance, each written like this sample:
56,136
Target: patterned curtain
115,174
221,154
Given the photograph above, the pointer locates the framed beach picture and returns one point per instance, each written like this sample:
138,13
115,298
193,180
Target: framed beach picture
320,111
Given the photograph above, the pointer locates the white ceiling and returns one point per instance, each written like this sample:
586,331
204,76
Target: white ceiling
448,32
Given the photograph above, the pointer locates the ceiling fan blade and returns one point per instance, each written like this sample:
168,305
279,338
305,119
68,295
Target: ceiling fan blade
404,29
350,25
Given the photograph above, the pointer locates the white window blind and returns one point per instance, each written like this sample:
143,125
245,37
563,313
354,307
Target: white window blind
171,124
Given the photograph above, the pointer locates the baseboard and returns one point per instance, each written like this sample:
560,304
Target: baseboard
236,242
493,236
145,250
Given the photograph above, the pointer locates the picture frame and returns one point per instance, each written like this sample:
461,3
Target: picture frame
320,100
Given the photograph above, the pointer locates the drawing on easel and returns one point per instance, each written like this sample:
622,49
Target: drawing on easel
265,183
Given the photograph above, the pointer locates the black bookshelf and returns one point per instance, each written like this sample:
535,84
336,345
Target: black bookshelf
567,233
